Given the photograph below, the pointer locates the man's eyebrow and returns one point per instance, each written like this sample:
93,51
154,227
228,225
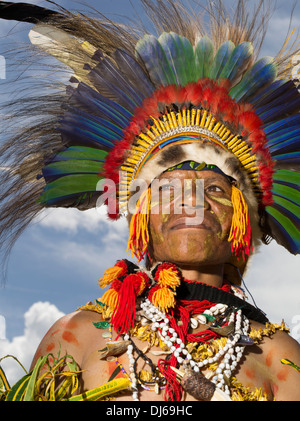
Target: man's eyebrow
221,179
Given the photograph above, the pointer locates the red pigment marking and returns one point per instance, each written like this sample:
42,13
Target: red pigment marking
275,390
269,359
250,374
267,388
69,324
69,337
55,332
282,375
50,347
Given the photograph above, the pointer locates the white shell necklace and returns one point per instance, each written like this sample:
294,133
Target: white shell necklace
228,357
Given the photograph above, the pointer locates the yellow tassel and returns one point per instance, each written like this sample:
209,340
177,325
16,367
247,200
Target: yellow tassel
109,276
240,233
164,299
168,278
110,298
138,230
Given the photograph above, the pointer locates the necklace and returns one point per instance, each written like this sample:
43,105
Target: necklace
227,358
172,308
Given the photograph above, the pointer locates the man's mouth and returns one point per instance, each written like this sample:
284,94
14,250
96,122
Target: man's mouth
189,223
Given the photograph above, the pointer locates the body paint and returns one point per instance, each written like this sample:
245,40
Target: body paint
70,337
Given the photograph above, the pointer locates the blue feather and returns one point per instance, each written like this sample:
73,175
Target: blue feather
109,79
290,145
98,104
261,73
283,106
237,61
135,74
62,168
221,59
284,135
292,157
153,55
277,88
290,122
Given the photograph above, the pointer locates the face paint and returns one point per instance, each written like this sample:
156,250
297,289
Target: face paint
221,200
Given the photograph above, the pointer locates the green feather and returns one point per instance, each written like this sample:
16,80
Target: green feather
220,59
72,166
286,224
156,60
286,192
287,176
83,152
261,73
204,55
286,204
237,60
180,55
70,185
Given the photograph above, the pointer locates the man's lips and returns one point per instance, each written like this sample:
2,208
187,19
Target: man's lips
189,223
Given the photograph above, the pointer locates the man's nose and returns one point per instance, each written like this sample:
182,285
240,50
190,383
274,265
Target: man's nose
193,198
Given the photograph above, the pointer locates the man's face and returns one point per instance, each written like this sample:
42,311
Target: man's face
177,237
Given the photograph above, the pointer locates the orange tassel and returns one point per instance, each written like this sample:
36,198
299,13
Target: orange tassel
111,297
168,276
138,231
168,279
109,276
240,234
163,298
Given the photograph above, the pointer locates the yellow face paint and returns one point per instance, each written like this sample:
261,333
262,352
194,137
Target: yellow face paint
222,200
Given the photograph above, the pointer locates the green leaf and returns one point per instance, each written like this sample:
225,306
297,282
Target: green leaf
16,393
102,325
209,318
29,394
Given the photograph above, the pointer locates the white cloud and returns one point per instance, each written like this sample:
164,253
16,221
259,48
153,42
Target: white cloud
38,320
71,220
273,279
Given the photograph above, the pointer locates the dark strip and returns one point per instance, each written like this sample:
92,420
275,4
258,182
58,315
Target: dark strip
199,292
24,12
115,373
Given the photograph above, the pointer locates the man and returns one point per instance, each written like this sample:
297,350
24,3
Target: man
182,110
201,252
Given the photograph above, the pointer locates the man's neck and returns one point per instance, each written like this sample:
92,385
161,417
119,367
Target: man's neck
210,275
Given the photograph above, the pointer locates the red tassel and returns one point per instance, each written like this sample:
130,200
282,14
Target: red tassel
124,314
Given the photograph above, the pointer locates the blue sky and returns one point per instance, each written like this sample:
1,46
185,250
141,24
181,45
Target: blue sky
56,264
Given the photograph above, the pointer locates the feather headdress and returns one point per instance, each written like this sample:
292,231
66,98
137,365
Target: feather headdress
138,104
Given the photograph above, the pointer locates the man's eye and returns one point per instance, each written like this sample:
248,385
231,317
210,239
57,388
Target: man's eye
214,189
166,187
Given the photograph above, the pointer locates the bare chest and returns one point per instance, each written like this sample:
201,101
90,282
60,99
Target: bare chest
141,365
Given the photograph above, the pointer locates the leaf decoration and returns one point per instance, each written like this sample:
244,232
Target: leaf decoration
284,361
102,325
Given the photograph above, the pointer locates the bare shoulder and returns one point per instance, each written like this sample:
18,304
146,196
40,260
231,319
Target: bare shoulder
70,335
284,380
